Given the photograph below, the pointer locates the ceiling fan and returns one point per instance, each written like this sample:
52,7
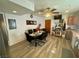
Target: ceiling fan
47,10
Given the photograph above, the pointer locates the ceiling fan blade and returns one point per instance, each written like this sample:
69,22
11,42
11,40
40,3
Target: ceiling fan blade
48,8
56,12
53,10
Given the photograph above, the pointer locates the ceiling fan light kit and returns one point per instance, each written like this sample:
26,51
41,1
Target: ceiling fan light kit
48,14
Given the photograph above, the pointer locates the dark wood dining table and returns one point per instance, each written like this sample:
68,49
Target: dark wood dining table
35,35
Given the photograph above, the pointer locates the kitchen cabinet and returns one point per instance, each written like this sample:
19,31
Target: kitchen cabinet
72,20
75,43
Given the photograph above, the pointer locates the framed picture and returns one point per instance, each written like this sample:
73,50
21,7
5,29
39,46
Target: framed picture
31,22
12,23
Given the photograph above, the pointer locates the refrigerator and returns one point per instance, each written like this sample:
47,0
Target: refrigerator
4,47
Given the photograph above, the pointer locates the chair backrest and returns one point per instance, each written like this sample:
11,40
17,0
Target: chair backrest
30,31
34,30
42,36
28,37
43,29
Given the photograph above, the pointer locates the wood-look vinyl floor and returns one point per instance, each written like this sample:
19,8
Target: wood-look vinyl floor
51,49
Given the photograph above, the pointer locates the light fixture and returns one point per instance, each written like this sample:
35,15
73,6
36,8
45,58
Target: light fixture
48,14
14,11
39,13
67,11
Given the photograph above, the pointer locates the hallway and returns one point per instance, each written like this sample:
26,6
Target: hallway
55,47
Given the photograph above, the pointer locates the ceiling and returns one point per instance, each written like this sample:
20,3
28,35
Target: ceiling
63,6
8,7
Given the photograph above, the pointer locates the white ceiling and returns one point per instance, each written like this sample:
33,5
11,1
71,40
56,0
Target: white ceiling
7,7
60,5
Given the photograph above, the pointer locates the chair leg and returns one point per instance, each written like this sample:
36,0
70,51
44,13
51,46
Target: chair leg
35,44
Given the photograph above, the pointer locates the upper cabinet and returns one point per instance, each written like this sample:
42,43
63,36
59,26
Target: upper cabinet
72,20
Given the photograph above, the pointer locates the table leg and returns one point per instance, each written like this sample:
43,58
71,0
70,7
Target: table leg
36,43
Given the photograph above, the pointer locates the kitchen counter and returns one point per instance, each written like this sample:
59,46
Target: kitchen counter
75,37
75,42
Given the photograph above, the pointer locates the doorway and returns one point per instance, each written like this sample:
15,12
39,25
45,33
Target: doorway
48,25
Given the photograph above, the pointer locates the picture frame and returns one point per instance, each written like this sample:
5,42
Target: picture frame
31,22
12,23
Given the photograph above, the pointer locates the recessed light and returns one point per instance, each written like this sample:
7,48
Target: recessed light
39,12
67,11
14,11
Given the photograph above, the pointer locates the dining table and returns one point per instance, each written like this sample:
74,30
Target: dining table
35,35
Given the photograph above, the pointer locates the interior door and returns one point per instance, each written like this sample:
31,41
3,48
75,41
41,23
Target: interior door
48,25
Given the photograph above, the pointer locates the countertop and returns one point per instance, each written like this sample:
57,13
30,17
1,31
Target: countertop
76,33
75,36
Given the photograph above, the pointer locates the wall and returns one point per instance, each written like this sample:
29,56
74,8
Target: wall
14,35
17,35
53,22
40,20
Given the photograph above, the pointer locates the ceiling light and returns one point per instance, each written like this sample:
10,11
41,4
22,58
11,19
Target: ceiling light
14,11
66,11
39,12
48,14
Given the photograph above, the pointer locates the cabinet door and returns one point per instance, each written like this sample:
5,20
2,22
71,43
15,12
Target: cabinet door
72,20
76,47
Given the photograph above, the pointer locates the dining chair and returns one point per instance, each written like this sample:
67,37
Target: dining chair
32,39
29,38
30,31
